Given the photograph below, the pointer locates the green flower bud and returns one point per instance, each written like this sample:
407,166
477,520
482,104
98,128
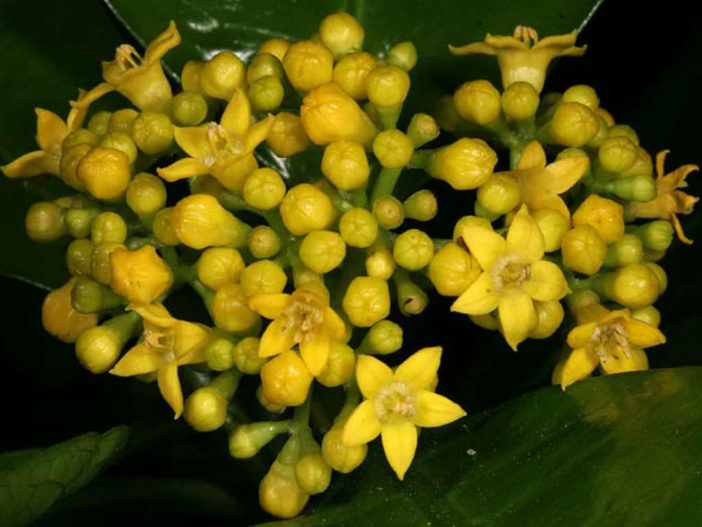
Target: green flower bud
44,222
189,108
146,194
99,122
389,212
266,93
79,137
219,354
632,188
263,242
393,149
221,74
478,102
205,410
411,299
499,194
627,250
247,440
340,365
101,270
384,337
649,315
122,121
624,130
642,166
99,347
573,124
108,227
264,65
413,249
661,276
403,55
421,206
656,235
79,257
422,129
153,132
246,356
380,263
264,189
616,154
340,457
520,101
358,227
633,286
79,221
313,473
122,142
582,94
162,227
89,296
387,86
69,163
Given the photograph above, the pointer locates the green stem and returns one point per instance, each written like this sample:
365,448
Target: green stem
387,179
353,396
226,383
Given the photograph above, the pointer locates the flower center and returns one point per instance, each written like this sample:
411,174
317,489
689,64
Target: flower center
395,400
160,340
510,271
221,142
526,35
304,315
609,339
127,57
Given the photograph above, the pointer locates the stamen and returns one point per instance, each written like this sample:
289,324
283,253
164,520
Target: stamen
608,339
127,57
160,341
395,399
510,270
304,314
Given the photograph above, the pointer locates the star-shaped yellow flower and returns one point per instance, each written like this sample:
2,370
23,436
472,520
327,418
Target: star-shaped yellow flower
302,318
669,201
514,276
612,340
523,57
396,403
224,150
166,344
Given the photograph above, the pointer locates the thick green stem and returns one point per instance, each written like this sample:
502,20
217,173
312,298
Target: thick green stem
387,179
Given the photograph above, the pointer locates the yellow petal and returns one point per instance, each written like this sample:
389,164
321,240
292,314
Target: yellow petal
166,41
85,99
315,353
533,156
505,42
579,365
371,375
236,118
32,164
560,176
517,317
485,244
679,230
620,363
155,314
334,324
187,337
435,410
258,133
193,140
478,299
276,339
537,200
546,282
564,41
476,48
419,369
362,425
270,306
580,335
642,335
524,236
137,361
182,169
51,131
169,386
399,444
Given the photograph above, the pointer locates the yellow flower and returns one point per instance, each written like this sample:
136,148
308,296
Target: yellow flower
167,343
396,403
514,276
302,318
224,150
670,201
141,275
139,79
520,59
612,340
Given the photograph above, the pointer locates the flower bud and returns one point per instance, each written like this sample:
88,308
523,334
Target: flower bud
403,55
264,65
549,316
573,124
380,264
616,154
308,65
189,108
660,275
263,278
246,357
583,250
101,269
656,235
345,164
222,74
279,493
122,142
264,189
99,347
79,257
268,405
285,379
465,164
387,86
411,299
413,249
642,166
649,315
477,102
633,188
266,93
322,251
341,33
553,225
104,172
389,212
263,242
452,270
627,250
108,227
78,221
421,206
305,208
146,194
247,440
313,473
604,215
190,76
162,227
582,94
351,72
340,457
422,129
199,221
69,163
488,321
141,276
205,410
632,286
153,132
60,319
366,301
340,365
89,296
287,136
393,148
499,194
231,311
468,221
383,338
520,101
277,47
219,354
122,121
624,130
358,227
44,222
99,122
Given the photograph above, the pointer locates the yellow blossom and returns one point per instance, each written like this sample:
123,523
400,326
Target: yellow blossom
514,276
670,201
224,150
397,403
167,343
141,275
302,318
523,57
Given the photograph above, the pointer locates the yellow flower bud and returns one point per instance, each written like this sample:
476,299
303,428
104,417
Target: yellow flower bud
99,122
573,124
222,74
660,275
380,263
583,250
285,379
199,221
393,148
452,270
366,301
153,132
616,154
141,276
499,194
387,86
422,129
649,315
605,215
287,136
413,249
69,163
389,212
520,101
345,164
465,164
104,172
305,208
190,76
268,405
341,33
264,189
642,166
108,227
189,108
266,93
358,227
122,142
122,121
264,277
549,316
264,65
146,194
44,222
626,250
351,72
246,356
101,269
340,457
403,55
219,354
60,319
98,348
624,130
421,206
469,221
247,440
583,94
277,47
263,242
478,102
79,257
162,227
553,225
313,473
205,410
384,337
279,493
633,286
322,251
230,308
329,114
340,365
308,64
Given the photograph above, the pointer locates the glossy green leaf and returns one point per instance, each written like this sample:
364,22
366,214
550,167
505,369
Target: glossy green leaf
31,481
623,450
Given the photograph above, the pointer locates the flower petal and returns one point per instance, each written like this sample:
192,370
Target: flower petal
478,299
485,244
533,156
315,353
258,133
517,316
31,164
155,314
362,425
163,43
537,200
270,306
137,361
420,369
334,324
577,366
642,335
524,236
276,339
188,337
560,176
580,335
620,363
546,282
435,410
236,118
169,386
193,140
182,169
51,131
371,375
399,444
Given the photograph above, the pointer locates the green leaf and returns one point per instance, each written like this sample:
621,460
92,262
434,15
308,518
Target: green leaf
32,480
622,450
